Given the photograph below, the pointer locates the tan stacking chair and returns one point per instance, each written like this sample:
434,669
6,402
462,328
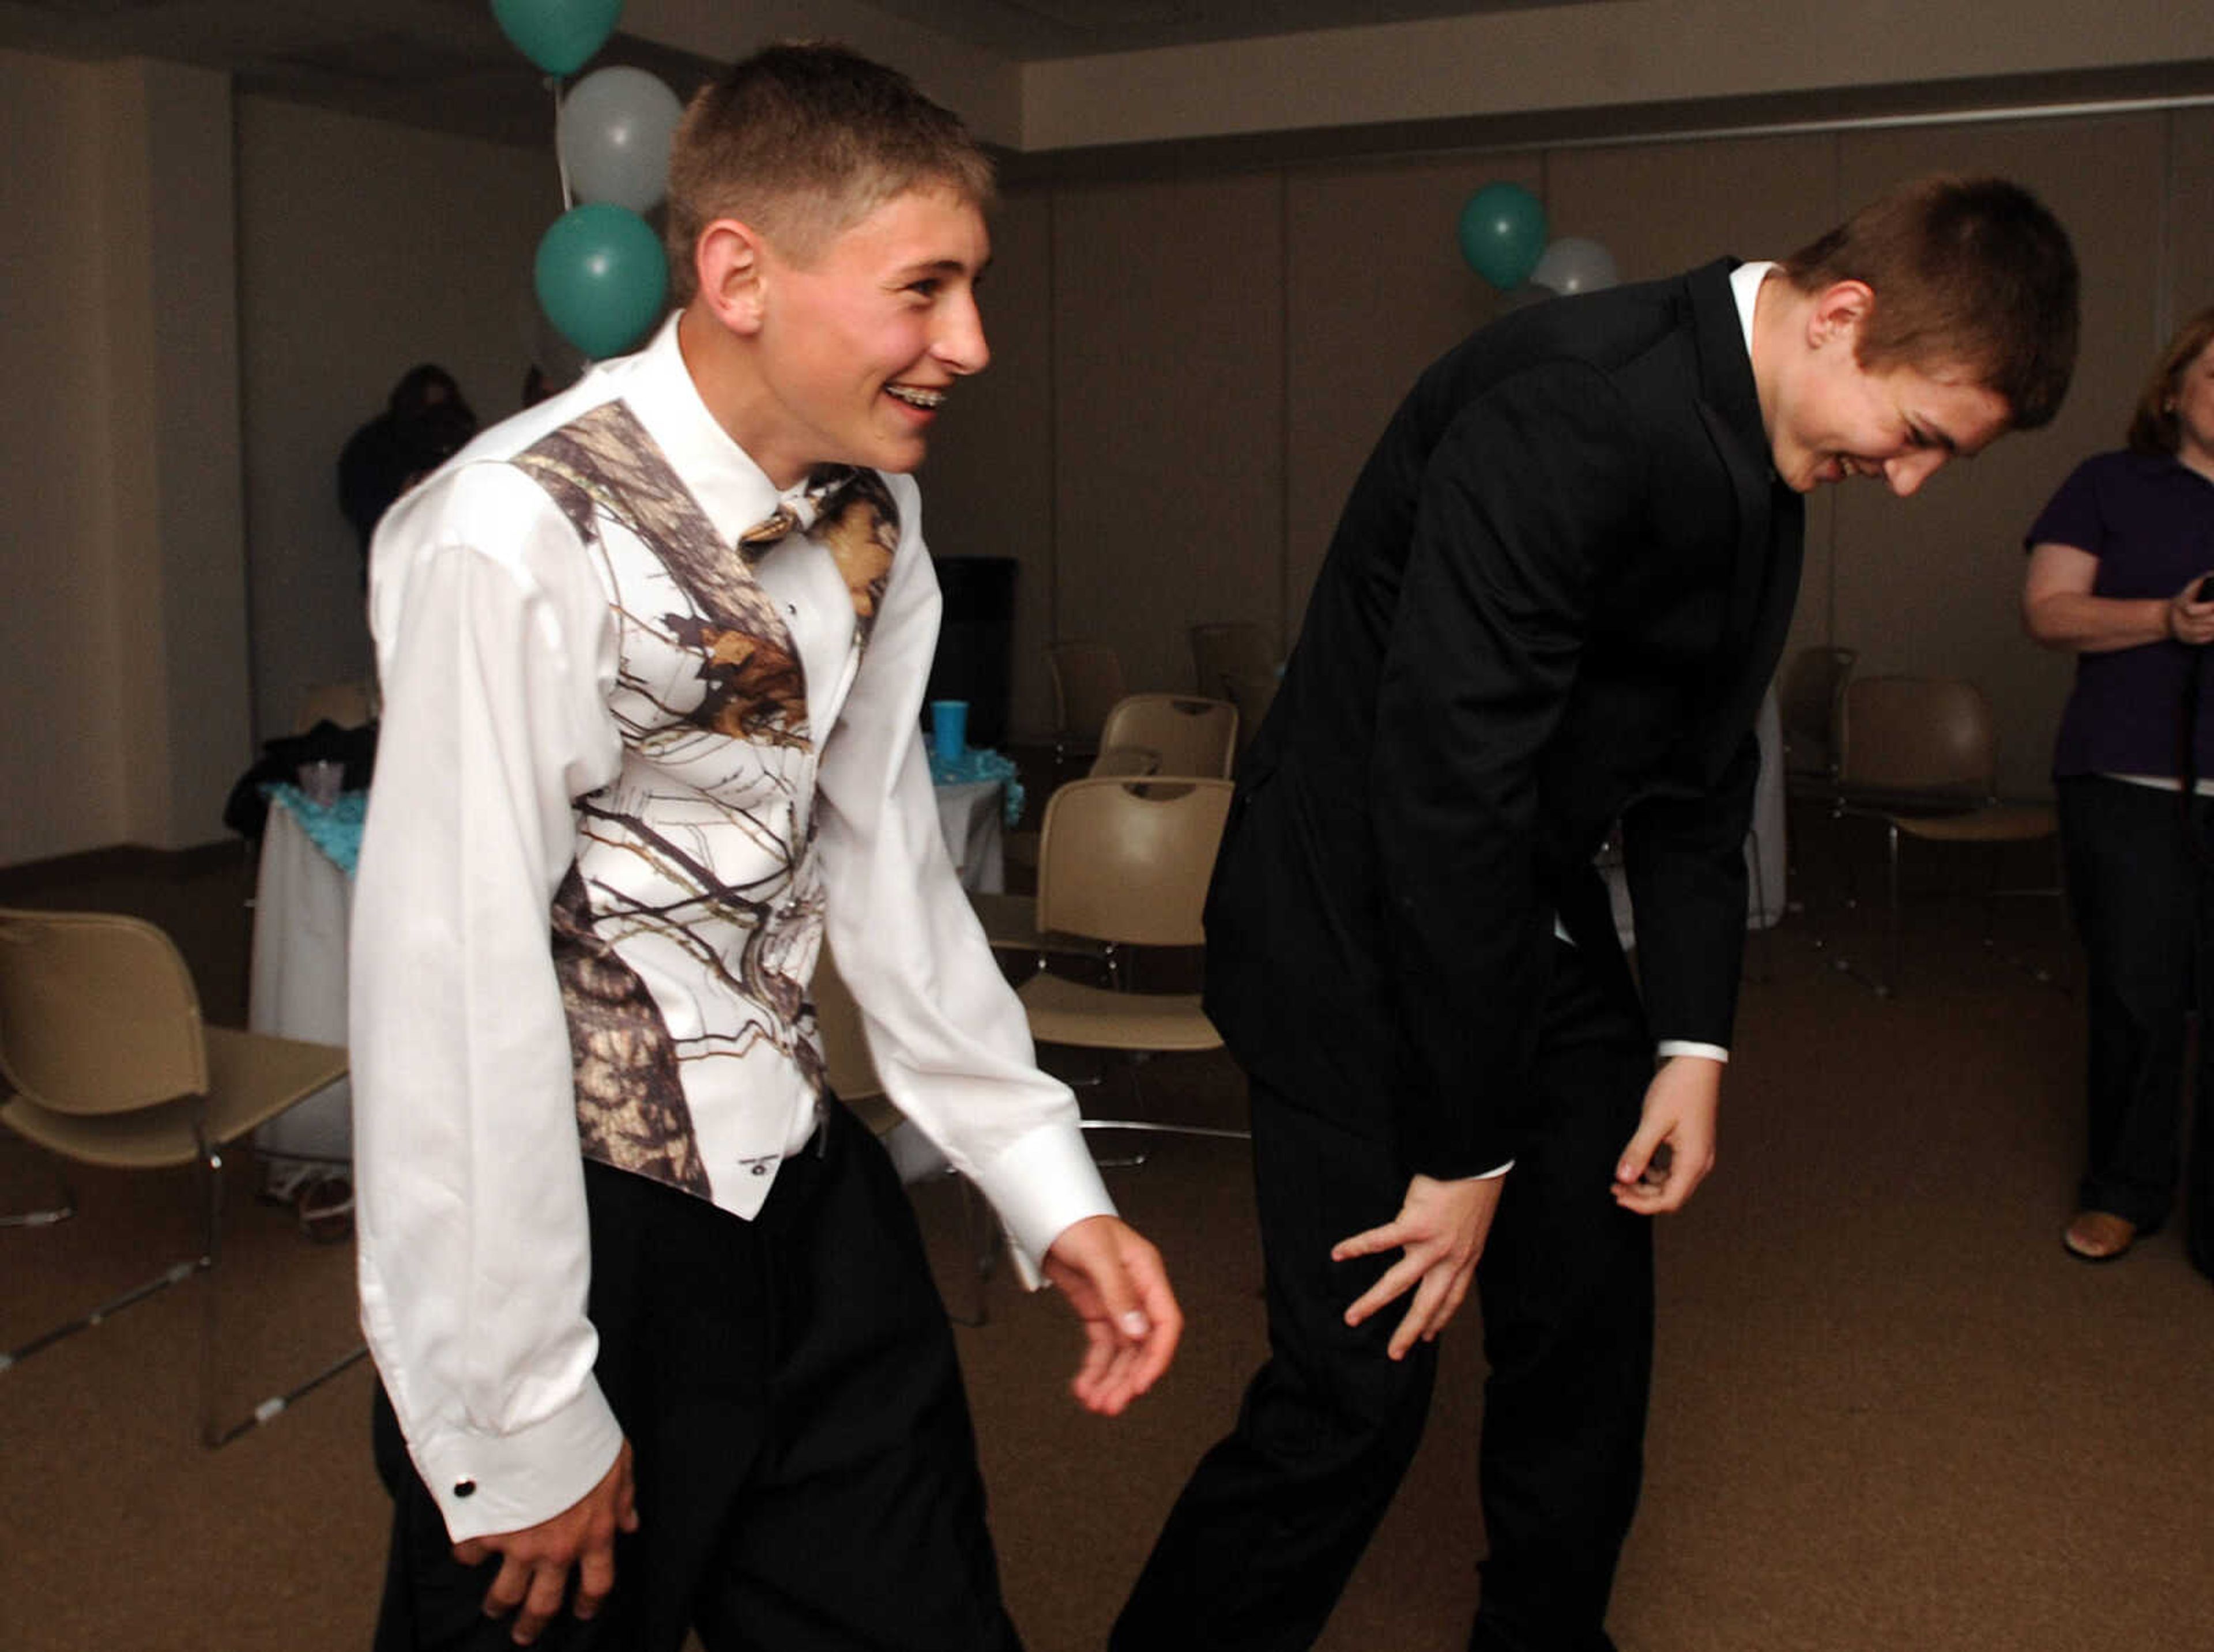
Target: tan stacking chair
1127,862
1010,921
1192,736
102,1038
1223,652
1807,700
854,1081
1920,754
1087,680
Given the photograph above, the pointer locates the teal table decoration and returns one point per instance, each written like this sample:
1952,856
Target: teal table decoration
976,763
335,829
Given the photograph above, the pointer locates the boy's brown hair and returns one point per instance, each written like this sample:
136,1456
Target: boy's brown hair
2154,428
1968,272
802,141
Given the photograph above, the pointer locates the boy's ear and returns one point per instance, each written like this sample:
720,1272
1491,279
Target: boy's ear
728,258
1838,312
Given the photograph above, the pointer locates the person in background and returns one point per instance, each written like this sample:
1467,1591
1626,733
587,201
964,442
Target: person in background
656,1338
1552,602
2118,562
425,423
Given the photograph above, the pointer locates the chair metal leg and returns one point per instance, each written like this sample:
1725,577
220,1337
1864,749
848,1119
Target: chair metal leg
1157,1127
212,1432
47,1217
1760,916
64,1200
1889,985
175,1274
273,1407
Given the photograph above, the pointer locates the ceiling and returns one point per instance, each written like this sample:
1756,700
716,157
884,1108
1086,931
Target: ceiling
1028,30
443,63
436,64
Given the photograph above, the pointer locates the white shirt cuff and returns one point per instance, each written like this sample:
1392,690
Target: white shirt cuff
1668,1047
516,1480
1045,1183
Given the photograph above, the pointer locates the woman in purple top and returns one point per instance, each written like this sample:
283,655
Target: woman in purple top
2115,565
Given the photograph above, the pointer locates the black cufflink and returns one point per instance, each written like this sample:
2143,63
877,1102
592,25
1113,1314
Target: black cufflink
465,1488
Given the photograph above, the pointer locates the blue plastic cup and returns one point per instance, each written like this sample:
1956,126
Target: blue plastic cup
949,727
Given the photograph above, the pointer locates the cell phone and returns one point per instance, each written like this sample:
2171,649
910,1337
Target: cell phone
2203,591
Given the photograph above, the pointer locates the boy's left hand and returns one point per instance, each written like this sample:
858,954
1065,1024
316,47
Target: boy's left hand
1674,1146
1116,1282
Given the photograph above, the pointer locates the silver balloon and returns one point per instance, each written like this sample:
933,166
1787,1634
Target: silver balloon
613,138
1574,265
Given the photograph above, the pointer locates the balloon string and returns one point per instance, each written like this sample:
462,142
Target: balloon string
561,155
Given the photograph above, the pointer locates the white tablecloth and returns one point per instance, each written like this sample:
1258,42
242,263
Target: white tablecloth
299,979
970,812
300,924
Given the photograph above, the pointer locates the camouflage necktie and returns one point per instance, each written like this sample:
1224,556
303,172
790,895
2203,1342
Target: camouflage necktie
798,514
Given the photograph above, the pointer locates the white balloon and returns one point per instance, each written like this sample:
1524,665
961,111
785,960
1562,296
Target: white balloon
1574,265
613,137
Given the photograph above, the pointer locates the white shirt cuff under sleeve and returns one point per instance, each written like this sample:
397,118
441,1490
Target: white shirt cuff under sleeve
488,1482
1668,1047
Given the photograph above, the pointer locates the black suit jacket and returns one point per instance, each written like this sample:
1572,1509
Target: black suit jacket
1554,600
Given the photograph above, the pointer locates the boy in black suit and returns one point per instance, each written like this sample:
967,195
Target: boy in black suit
1553,602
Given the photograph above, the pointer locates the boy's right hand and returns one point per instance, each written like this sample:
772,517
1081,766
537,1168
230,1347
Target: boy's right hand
1439,1231
536,1562
1114,1281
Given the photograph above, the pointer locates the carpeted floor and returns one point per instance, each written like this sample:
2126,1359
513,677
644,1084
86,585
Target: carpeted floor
1889,1412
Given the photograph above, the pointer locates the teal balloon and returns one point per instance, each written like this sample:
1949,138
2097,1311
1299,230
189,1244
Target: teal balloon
1503,234
557,35
601,277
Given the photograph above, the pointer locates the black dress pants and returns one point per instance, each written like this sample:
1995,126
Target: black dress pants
1262,1541
805,1471
2143,903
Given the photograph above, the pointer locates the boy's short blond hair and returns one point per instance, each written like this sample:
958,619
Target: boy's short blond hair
801,142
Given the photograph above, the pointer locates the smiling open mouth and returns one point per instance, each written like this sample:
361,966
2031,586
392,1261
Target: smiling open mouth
929,400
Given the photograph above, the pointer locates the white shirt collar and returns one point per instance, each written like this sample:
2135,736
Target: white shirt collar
1745,287
734,492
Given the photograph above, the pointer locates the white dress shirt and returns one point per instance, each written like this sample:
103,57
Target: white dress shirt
534,748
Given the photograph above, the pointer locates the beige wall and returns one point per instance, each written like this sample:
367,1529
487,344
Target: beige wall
1191,363
1227,346
363,249
993,453
1168,414
63,769
125,631
1932,585
986,89
1595,55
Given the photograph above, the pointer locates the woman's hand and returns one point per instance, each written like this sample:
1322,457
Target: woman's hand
2190,620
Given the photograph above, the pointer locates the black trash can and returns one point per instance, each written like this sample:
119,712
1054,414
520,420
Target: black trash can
975,639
